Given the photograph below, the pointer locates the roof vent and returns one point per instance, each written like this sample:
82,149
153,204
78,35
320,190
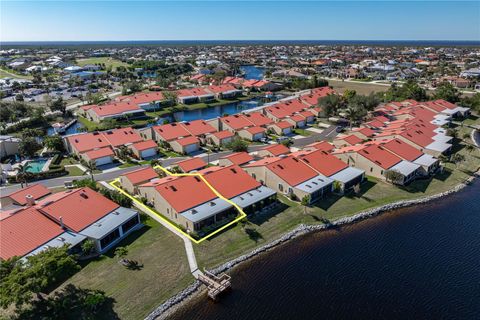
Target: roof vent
84,195
212,204
173,188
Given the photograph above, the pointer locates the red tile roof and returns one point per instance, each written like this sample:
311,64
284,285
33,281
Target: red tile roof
79,208
87,141
115,108
188,141
419,137
292,170
37,191
350,139
223,134
25,231
365,131
191,164
194,92
198,127
283,124
230,181
325,164
402,149
322,146
185,193
141,175
99,153
122,136
171,131
255,130
236,122
238,158
142,98
258,119
312,97
380,156
277,149
221,88
144,145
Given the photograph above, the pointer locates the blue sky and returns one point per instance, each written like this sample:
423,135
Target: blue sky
234,20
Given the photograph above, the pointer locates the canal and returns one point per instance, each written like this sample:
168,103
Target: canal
415,263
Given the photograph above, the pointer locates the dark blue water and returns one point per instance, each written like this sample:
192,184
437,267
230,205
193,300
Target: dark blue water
414,263
252,72
213,112
71,130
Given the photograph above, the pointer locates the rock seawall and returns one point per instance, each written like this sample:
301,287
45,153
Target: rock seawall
164,309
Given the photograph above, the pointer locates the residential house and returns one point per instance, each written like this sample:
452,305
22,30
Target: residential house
187,201
236,185
290,176
131,180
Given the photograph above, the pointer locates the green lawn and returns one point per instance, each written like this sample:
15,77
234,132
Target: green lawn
127,165
137,292
302,132
89,125
11,74
235,241
166,270
114,63
74,171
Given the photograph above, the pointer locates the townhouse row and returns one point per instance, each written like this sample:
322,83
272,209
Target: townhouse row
32,220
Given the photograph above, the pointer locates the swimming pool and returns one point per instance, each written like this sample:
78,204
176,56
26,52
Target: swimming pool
35,166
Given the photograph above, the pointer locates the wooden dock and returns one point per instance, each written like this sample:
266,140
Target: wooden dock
216,285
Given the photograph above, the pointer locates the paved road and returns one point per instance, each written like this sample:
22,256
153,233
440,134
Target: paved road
58,182
329,132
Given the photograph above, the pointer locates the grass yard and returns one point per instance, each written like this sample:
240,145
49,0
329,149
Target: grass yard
302,132
74,171
89,125
114,63
137,292
10,74
236,241
364,88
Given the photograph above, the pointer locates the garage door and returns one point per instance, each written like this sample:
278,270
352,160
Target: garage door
102,161
149,153
287,131
190,148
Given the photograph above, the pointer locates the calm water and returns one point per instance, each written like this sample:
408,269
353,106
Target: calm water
415,263
252,72
70,130
35,166
213,112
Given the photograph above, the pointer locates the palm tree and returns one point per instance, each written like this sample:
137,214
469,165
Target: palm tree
351,115
457,159
305,203
22,174
469,148
91,166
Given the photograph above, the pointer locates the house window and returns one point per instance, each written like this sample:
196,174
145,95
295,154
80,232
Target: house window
381,172
371,169
129,224
254,176
280,187
109,238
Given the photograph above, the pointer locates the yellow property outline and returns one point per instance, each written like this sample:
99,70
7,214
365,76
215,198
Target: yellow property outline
240,217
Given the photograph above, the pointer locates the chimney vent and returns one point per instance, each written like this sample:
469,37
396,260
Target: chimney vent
30,200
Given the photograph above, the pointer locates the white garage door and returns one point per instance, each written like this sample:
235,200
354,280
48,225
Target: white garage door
149,153
103,160
190,148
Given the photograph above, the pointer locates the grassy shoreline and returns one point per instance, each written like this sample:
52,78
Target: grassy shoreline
166,273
